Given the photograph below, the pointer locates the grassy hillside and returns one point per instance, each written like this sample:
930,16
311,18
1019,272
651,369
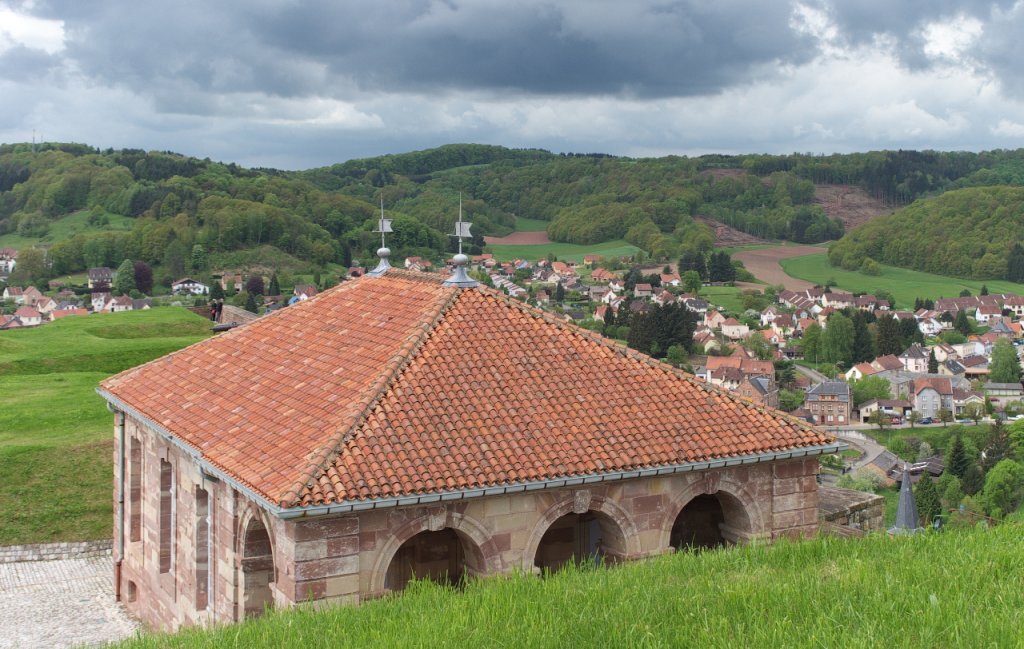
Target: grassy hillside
56,436
564,251
904,284
964,233
934,590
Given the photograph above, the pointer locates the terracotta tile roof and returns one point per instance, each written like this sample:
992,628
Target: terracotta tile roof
399,386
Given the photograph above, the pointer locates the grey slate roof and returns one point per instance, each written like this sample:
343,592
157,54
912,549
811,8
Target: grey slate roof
906,510
838,388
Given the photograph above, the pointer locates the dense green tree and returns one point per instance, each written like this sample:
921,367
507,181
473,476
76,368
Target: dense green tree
962,324
216,292
837,340
199,260
1015,264
785,373
250,303
863,343
997,448
949,489
984,290
933,363
124,279
1005,366
275,286
559,293
691,282
956,459
929,505
889,340
31,267
254,285
811,343
720,268
1004,488
973,480
868,388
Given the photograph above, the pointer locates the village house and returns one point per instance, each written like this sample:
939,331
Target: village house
915,359
734,329
963,398
394,426
643,290
1002,394
713,319
28,316
8,260
602,275
932,395
30,296
14,294
830,403
304,291
231,282
45,305
99,277
590,261
759,389
189,286
63,313
859,371
985,313
891,408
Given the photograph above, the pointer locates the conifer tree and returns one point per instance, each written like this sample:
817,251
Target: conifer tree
956,458
973,480
275,287
961,323
927,496
998,447
216,292
863,344
250,303
933,363
984,290
888,336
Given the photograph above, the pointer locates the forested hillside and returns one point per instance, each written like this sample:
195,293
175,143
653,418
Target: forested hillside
183,215
973,233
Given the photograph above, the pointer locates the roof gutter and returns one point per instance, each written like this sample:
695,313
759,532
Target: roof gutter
351,506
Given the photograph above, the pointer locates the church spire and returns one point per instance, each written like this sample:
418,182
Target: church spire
384,227
906,511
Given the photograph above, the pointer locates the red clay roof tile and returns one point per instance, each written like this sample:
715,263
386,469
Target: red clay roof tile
396,386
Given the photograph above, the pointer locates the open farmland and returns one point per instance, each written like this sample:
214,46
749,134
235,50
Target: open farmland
904,284
763,263
56,436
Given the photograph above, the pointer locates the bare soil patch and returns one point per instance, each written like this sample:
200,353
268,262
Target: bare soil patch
519,239
851,205
727,236
764,264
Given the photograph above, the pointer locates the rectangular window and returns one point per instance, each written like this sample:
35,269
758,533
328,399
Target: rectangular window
166,516
135,490
204,530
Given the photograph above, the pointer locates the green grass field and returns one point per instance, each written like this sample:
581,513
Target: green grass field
948,589
564,251
905,285
726,297
56,436
66,228
524,224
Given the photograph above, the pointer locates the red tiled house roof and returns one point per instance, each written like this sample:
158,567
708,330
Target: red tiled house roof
397,386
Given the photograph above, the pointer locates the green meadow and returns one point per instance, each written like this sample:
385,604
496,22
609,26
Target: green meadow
937,589
564,251
524,224
904,284
67,227
56,436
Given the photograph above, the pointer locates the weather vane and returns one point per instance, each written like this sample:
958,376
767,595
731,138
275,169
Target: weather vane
384,227
459,276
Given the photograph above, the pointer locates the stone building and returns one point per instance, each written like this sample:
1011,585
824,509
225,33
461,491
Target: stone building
394,426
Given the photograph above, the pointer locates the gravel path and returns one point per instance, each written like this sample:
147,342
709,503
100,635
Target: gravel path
764,264
63,603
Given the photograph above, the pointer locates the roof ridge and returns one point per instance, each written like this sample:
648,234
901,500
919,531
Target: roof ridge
364,406
645,359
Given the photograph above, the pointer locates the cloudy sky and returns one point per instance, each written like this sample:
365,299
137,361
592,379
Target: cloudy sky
297,84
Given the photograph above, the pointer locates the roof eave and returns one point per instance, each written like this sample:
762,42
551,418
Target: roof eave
351,506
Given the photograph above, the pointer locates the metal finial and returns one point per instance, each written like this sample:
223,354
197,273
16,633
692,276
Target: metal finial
383,226
460,277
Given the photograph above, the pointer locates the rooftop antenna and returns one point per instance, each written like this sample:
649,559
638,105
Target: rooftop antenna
384,227
459,277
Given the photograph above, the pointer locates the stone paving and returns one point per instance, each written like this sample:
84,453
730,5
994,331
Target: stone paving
63,603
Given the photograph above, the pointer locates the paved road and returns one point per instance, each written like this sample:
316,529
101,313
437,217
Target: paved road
64,603
871,448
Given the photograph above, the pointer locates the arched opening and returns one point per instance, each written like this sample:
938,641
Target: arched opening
257,569
444,557
709,521
575,538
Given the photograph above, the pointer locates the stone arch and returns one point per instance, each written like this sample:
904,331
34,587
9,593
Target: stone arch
625,546
257,564
481,554
743,515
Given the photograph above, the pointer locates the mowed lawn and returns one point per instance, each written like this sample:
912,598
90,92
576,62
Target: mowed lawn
564,251
904,284
56,435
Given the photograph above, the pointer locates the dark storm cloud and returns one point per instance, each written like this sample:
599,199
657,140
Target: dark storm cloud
20,63
1002,49
329,48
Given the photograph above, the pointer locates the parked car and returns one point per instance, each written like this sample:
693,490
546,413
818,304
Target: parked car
924,420
895,420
